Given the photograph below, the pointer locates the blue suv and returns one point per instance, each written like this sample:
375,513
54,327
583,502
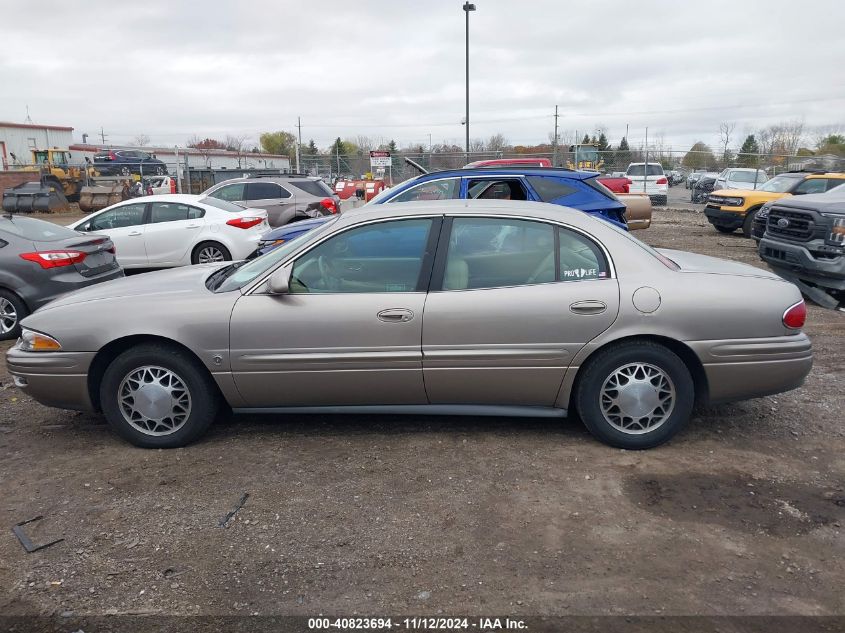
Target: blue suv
576,189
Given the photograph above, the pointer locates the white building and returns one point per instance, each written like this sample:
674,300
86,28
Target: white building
17,140
199,159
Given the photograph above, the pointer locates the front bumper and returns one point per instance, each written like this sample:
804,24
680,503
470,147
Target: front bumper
728,219
796,261
751,368
55,379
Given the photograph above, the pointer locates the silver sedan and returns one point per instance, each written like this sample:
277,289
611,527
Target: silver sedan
447,307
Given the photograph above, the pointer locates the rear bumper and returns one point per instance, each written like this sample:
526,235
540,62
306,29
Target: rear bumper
751,368
794,261
728,219
55,379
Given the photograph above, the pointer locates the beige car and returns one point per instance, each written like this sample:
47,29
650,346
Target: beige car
637,210
478,307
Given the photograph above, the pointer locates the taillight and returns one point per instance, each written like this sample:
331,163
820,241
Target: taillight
244,223
662,181
795,316
329,205
112,156
54,259
172,185
111,249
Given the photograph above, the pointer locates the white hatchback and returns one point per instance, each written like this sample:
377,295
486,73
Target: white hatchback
648,178
177,230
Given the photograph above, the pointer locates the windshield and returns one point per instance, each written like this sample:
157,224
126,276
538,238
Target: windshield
779,184
747,176
587,154
236,276
225,205
35,230
654,169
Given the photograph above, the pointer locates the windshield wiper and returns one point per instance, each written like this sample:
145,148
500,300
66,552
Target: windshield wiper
216,278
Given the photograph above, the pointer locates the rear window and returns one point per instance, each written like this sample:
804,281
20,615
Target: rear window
654,169
598,186
231,207
747,176
314,187
35,230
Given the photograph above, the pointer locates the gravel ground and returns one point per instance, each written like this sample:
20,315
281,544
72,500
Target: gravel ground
742,514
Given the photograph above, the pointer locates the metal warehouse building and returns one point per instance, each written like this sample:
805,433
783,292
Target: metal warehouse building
18,139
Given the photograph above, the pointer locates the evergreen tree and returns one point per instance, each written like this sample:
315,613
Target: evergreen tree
391,146
746,156
585,140
602,143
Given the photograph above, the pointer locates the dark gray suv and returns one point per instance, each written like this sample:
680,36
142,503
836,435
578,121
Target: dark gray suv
286,198
40,260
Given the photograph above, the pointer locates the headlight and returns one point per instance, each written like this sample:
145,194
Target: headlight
733,201
763,213
38,342
837,230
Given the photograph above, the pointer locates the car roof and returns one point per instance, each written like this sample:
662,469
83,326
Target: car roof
266,178
513,170
516,208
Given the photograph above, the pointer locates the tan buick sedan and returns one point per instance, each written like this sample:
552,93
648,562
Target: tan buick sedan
447,307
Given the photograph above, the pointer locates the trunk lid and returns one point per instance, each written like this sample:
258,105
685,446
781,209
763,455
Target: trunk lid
695,263
98,249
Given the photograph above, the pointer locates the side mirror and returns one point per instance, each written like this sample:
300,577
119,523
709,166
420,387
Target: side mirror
279,282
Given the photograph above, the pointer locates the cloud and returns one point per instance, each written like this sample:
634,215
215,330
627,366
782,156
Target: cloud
396,69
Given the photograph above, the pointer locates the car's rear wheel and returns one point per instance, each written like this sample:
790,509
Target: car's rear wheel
209,253
724,229
125,171
157,396
12,310
635,395
160,171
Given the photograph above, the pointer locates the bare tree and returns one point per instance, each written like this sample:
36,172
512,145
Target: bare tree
477,145
726,130
236,144
142,140
497,143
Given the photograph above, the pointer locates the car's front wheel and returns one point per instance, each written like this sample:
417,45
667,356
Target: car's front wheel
158,396
635,395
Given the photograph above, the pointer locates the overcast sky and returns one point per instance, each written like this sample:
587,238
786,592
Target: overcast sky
170,70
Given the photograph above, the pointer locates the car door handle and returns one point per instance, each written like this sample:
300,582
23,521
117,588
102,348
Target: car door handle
193,226
588,307
395,315
134,233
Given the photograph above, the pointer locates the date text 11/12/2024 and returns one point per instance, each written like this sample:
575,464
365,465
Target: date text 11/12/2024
417,624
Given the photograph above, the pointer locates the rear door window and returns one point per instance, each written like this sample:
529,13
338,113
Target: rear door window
811,185
313,187
496,189
173,212
654,169
265,191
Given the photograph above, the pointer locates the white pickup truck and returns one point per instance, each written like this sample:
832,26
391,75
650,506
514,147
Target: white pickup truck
648,178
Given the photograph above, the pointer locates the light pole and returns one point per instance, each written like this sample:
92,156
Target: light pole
467,8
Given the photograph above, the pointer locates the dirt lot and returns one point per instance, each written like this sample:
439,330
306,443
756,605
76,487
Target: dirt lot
741,514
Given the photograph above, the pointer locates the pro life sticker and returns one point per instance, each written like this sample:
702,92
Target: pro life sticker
578,273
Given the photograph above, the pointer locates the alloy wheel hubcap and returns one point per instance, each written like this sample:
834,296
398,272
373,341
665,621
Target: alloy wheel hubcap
209,255
154,400
8,316
637,398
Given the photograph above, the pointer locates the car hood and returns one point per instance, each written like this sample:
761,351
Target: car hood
695,263
175,281
762,195
823,202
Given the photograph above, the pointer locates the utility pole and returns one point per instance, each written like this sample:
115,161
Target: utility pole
645,172
337,151
102,135
298,144
467,8
554,143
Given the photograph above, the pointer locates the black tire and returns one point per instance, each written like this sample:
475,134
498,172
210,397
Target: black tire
160,171
10,324
204,397
600,368
723,229
661,201
125,171
748,224
202,246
